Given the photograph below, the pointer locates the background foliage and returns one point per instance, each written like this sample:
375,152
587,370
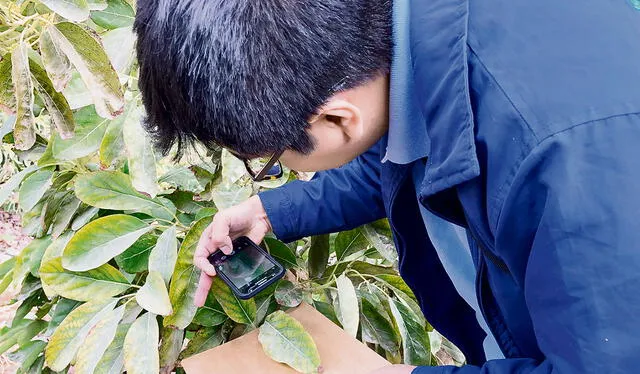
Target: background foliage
107,284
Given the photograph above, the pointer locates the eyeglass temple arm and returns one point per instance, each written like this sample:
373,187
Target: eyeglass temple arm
269,165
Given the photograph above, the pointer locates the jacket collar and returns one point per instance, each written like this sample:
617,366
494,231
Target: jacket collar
430,109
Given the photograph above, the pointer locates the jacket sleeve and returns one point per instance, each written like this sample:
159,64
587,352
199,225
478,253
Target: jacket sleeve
334,200
573,216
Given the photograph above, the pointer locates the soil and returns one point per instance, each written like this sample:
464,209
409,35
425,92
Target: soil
11,242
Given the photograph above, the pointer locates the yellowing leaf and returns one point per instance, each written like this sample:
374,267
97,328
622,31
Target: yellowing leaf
24,132
112,361
285,340
141,346
7,98
101,240
70,335
153,296
348,305
90,60
102,282
241,311
113,190
56,63
29,258
185,277
112,145
33,188
99,338
54,101
88,133
171,341
73,10
165,254
142,160
9,186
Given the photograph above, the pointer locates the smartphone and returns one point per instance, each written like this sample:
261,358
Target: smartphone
248,270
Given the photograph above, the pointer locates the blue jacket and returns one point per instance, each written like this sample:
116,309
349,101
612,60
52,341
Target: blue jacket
532,111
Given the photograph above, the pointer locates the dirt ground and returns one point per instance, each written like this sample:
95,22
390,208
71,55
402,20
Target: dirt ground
11,241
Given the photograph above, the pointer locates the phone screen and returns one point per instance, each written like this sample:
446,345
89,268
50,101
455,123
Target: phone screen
246,267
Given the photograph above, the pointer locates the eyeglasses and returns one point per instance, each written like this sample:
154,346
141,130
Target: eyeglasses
263,168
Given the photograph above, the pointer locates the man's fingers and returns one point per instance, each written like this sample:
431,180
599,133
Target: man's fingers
219,234
203,289
203,264
256,236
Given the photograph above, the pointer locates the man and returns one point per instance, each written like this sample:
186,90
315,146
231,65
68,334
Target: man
518,121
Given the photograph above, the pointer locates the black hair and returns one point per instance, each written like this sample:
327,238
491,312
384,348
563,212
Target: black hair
248,74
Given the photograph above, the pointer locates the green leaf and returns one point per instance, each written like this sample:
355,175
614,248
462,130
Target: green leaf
84,217
376,328
232,167
287,294
280,252
33,188
165,254
204,339
88,134
119,45
379,235
171,341
60,312
20,333
182,178
7,266
141,346
348,243
241,311
73,10
136,258
185,277
101,240
6,280
24,132
55,102
34,299
77,92
225,194
65,211
211,313
142,160
415,341
96,343
9,186
327,310
28,261
27,354
97,4
7,98
118,13
318,255
71,333
113,190
112,361
90,60
285,340
112,145
349,312
206,212
153,296
102,282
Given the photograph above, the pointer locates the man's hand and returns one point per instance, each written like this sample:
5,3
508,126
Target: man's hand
245,219
395,369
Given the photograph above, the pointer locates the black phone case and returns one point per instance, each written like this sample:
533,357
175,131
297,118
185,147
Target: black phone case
236,291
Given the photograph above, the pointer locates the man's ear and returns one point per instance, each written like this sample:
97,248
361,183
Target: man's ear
342,114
